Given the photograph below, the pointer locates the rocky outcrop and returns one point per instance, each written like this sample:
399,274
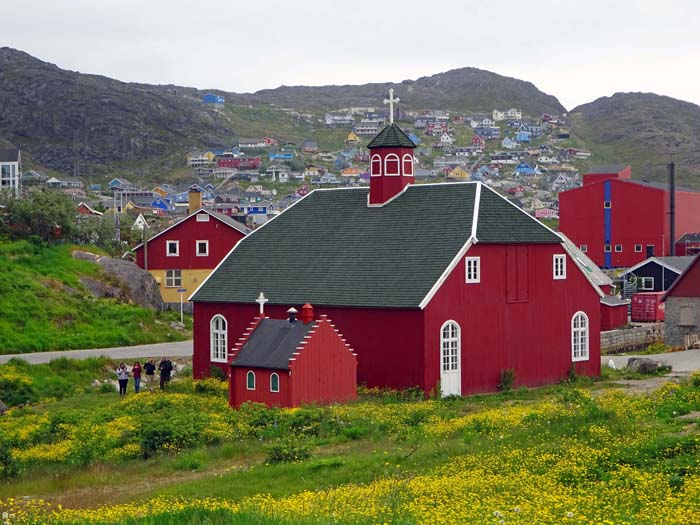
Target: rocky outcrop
131,283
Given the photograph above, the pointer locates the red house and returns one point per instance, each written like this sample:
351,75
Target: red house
286,362
619,222
440,286
478,141
244,163
182,256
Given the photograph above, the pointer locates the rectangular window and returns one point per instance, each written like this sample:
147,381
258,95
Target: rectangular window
173,278
637,248
647,283
618,248
607,248
172,248
202,247
473,268
559,266
607,204
202,217
584,248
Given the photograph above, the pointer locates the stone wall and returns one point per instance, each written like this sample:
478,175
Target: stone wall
631,339
675,331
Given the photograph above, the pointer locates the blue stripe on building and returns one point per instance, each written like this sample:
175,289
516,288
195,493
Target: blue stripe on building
607,213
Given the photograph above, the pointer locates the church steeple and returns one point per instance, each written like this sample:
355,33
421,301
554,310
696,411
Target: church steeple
391,160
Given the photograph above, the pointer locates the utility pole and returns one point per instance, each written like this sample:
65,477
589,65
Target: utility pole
672,205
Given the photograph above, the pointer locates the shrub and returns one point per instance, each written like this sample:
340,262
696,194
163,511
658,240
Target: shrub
9,467
287,453
216,373
507,380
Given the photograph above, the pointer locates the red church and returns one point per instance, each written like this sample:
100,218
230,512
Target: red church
619,222
440,286
290,362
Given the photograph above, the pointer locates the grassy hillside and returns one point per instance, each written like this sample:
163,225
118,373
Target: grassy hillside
45,307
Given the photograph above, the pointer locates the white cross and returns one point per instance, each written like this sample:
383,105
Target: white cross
391,101
261,300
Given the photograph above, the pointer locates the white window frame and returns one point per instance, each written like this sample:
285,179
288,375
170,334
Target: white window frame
618,250
583,248
168,244
607,248
644,281
472,270
607,204
638,248
218,339
275,374
392,157
450,340
173,278
202,217
206,245
580,338
248,375
378,158
407,158
559,266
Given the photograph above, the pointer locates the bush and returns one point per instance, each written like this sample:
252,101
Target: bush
216,373
9,468
507,380
287,453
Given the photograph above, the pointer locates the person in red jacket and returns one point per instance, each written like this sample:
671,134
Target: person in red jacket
136,373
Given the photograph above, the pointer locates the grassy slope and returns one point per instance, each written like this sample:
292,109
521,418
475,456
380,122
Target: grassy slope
45,307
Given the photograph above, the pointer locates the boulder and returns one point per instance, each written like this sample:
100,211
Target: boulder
3,407
96,383
642,365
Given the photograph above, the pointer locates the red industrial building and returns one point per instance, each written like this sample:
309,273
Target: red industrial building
619,222
244,163
440,286
289,362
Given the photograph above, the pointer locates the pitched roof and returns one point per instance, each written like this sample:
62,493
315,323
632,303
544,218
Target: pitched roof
330,248
391,136
9,155
673,263
598,276
272,344
683,276
606,169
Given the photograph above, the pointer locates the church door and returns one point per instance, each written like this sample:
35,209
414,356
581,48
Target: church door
450,350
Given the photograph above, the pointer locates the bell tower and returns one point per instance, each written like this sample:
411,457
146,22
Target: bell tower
391,160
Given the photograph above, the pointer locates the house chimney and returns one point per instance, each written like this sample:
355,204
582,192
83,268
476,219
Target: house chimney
672,205
292,313
307,313
194,200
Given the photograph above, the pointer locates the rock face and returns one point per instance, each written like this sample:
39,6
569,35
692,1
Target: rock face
132,283
642,365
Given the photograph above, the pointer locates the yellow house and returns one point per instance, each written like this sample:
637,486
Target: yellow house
352,138
459,173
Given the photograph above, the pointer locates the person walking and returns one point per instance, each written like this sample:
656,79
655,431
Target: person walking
165,367
136,372
123,377
150,369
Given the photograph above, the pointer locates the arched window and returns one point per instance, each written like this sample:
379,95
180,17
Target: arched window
450,349
579,337
219,339
391,164
250,380
376,169
408,165
274,382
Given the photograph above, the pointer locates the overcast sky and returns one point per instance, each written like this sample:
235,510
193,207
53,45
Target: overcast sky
575,50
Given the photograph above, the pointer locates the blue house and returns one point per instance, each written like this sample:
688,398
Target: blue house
216,100
281,155
523,136
120,184
414,138
525,169
508,143
161,203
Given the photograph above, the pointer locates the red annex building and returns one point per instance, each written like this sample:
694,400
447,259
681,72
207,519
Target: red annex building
440,286
290,362
619,222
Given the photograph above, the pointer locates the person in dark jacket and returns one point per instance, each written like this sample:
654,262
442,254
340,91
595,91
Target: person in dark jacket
150,368
166,368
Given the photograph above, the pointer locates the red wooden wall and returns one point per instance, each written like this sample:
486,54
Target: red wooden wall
612,317
688,284
239,393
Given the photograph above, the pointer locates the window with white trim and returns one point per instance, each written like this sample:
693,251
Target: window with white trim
250,380
202,217
583,248
391,164
472,267
219,339
274,382
173,278
647,283
559,266
408,165
607,248
202,248
607,204
172,248
376,166
637,248
579,337
449,343
618,248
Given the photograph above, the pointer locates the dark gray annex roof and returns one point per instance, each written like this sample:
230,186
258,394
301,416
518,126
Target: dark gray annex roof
331,249
271,344
9,155
606,169
391,136
679,262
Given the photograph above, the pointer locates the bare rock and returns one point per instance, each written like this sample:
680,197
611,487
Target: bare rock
642,365
96,383
3,407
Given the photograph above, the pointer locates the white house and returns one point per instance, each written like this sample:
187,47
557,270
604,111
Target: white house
10,170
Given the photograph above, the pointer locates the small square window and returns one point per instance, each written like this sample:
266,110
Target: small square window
618,248
583,248
607,248
202,248
638,248
607,204
173,248
473,269
202,217
173,278
647,283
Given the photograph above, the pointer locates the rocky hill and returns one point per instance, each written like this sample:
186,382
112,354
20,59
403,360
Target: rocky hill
466,89
644,130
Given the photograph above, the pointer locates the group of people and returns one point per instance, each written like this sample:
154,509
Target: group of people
165,369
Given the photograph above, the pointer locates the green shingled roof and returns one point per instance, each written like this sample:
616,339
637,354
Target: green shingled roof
391,136
331,249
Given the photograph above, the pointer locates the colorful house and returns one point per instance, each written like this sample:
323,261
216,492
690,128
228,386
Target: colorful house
11,170
215,100
440,286
289,362
352,138
458,172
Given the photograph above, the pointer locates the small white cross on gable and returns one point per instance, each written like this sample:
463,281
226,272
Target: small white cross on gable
391,101
261,300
